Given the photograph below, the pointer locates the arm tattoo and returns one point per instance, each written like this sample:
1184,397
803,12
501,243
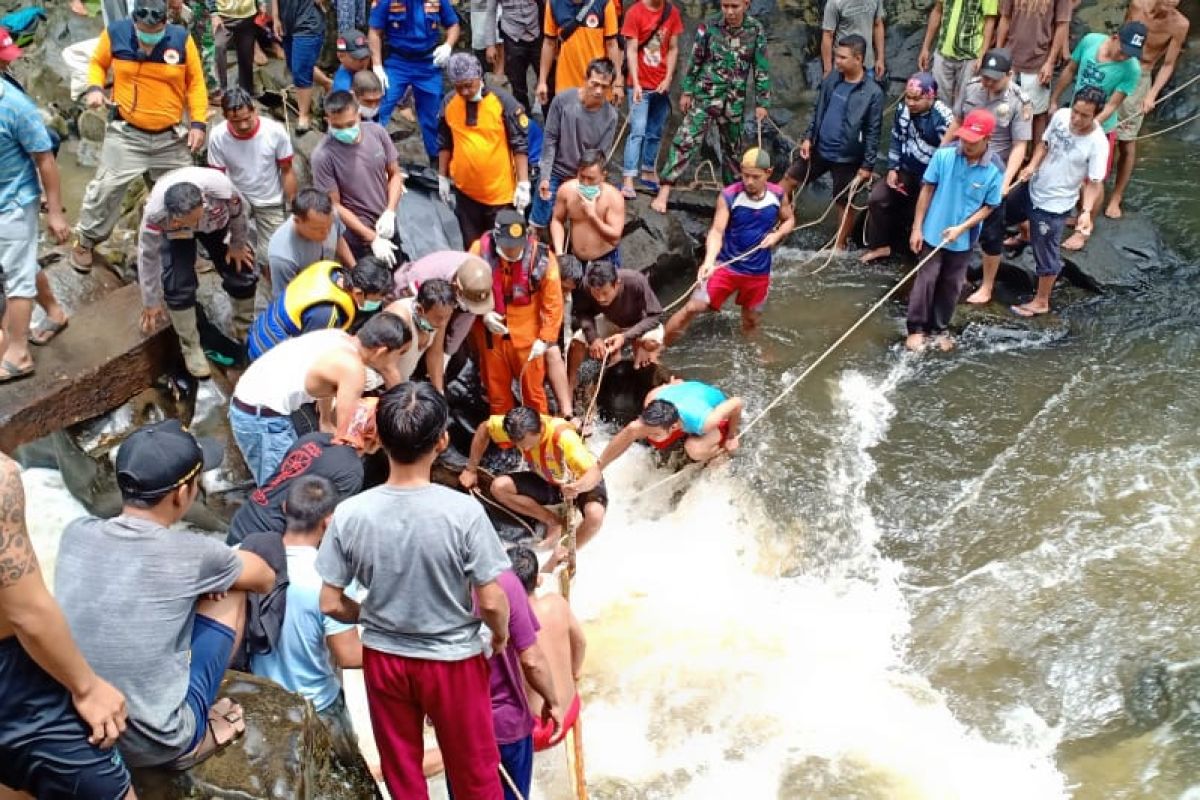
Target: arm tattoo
17,558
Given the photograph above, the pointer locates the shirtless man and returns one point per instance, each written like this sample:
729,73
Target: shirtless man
428,316
596,211
1166,33
561,640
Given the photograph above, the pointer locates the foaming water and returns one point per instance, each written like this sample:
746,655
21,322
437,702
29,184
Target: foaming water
733,653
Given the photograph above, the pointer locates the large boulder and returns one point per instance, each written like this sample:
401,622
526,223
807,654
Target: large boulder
285,753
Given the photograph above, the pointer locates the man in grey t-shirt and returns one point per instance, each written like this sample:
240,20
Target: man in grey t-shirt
845,17
313,233
420,549
141,600
995,90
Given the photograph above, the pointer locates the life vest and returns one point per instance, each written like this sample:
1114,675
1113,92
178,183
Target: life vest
284,317
525,278
548,452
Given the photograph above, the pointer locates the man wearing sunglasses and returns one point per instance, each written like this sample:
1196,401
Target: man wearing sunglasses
156,70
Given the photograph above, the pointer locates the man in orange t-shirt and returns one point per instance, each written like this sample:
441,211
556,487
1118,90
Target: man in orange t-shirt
575,34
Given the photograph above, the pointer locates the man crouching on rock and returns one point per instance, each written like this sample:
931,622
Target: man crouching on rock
563,469
158,612
694,413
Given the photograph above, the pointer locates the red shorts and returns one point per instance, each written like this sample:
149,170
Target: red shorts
1112,152
544,736
679,435
751,289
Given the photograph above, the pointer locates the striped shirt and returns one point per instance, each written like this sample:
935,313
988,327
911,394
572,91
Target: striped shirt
22,132
914,139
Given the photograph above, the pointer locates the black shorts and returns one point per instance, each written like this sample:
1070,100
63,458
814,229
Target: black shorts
43,742
993,231
543,493
807,172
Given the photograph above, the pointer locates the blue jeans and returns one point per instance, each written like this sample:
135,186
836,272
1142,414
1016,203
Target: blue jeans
646,122
264,441
302,53
426,82
544,209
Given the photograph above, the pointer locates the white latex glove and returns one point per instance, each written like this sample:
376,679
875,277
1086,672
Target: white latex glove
441,54
538,349
444,189
381,73
384,250
522,197
495,323
385,226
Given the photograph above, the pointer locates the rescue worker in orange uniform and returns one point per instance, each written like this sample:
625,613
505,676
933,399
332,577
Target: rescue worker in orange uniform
483,148
512,339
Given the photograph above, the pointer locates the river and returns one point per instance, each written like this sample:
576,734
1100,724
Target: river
921,577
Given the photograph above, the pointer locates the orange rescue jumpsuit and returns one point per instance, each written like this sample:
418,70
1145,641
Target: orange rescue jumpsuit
503,358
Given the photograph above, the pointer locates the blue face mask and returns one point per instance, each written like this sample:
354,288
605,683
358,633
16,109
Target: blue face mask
369,306
150,39
345,135
588,193
478,94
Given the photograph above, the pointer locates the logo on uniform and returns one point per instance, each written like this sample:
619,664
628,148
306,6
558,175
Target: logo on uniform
515,230
523,120
592,21
171,56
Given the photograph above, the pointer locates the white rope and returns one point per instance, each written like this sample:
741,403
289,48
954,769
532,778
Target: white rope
1192,118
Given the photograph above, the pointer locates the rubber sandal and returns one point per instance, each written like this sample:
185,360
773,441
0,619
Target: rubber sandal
651,185
628,193
10,372
79,266
225,723
45,331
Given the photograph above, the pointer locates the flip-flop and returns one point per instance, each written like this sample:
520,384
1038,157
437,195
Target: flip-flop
224,724
651,185
628,193
1020,312
46,330
10,372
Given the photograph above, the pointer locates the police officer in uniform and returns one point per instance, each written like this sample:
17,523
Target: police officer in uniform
405,53
323,295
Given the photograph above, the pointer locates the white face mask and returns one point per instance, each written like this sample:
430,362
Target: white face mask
368,113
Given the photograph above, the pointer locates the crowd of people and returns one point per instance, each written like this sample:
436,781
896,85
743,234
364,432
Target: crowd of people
349,339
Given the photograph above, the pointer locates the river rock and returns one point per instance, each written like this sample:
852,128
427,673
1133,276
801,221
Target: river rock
285,753
656,243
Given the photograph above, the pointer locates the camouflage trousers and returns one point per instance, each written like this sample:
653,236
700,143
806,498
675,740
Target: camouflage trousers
689,143
202,35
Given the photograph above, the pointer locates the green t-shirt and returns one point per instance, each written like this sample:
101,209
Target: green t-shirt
1110,76
961,34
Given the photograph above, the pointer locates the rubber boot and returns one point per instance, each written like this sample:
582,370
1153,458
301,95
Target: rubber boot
243,317
189,342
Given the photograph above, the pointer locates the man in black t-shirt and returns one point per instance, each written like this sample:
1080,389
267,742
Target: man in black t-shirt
312,454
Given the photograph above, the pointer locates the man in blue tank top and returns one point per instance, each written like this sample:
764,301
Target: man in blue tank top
752,217
699,415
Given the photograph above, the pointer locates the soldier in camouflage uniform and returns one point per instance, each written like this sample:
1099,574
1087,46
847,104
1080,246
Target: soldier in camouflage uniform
201,29
727,48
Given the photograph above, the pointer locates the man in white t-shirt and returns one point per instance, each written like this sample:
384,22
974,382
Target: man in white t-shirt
256,154
1073,153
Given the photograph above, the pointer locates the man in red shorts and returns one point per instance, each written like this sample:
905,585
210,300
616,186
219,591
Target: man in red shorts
752,217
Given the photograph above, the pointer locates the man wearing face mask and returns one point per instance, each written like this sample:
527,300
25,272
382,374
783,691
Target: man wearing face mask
368,93
357,165
482,148
596,211
428,316
156,70
256,154
469,276
512,339
190,204
324,295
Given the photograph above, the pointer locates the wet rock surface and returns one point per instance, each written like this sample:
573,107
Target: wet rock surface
285,753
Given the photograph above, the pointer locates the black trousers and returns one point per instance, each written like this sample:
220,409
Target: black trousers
519,58
890,213
242,33
474,218
179,270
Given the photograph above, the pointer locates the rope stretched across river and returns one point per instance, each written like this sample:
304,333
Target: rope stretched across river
811,367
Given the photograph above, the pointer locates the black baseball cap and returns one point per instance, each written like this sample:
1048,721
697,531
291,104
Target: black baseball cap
997,63
510,229
1133,38
158,458
353,44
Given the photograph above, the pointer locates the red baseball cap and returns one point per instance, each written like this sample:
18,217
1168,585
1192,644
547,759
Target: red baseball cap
8,48
978,125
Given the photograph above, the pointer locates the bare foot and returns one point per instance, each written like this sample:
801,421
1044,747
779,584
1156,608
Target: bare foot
915,342
77,7
944,342
1031,309
554,531
981,296
1075,242
875,255
1113,209
659,203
